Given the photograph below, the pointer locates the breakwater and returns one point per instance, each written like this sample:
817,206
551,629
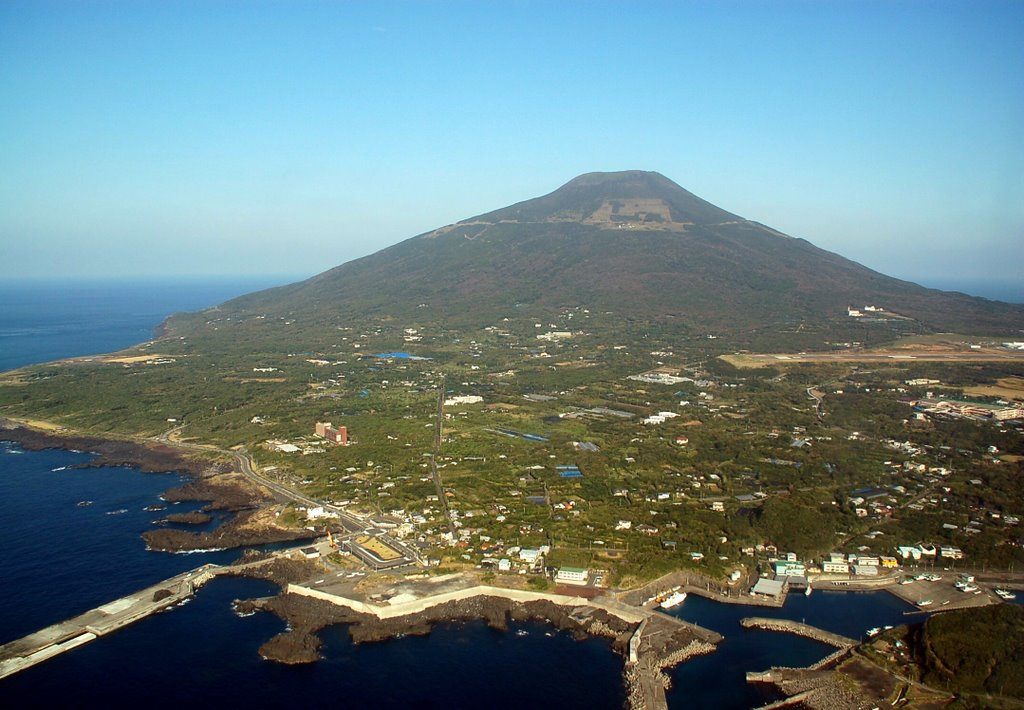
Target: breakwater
795,627
57,639
62,637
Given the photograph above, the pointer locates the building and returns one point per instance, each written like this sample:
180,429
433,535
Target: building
835,567
1011,412
865,570
571,575
952,553
318,512
767,588
463,399
789,568
529,556
907,552
325,430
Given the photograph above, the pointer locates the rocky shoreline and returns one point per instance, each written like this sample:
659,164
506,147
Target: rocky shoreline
211,482
147,457
244,530
306,617
193,518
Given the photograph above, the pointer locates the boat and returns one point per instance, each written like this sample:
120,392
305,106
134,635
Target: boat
1005,594
807,592
874,631
83,503
925,602
673,600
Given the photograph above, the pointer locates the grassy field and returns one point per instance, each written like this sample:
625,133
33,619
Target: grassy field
377,547
1005,387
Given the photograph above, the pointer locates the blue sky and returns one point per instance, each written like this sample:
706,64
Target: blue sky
287,137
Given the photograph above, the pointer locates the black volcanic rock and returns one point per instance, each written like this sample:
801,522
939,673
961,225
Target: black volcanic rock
633,243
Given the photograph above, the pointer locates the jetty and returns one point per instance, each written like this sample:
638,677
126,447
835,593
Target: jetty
795,627
59,638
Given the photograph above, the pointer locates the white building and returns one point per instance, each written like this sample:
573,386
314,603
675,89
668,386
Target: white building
572,575
463,399
319,512
529,556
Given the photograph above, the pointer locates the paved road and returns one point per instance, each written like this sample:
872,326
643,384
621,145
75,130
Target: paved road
350,522
438,423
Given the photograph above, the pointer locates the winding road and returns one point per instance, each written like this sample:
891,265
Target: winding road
351,523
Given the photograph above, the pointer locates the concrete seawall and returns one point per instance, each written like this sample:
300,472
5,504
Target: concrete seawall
418,605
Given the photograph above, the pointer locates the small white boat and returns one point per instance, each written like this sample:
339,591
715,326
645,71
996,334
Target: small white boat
1005,594
925,602
673,600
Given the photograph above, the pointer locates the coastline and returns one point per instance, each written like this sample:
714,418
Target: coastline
148,457
644,662
209,481
649,642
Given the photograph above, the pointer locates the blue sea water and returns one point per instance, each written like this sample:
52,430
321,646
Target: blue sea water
61,559
42,321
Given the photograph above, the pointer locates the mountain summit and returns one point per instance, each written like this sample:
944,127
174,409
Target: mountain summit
632,196
634,244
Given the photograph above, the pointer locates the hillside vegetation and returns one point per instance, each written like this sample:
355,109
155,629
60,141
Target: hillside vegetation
975,650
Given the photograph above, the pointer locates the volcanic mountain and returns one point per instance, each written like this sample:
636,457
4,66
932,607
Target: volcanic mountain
632,243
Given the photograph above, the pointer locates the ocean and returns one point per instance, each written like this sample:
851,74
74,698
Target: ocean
61,558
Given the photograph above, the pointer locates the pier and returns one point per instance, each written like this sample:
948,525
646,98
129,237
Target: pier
59,638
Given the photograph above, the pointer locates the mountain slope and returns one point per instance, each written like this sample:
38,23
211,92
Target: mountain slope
633,243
